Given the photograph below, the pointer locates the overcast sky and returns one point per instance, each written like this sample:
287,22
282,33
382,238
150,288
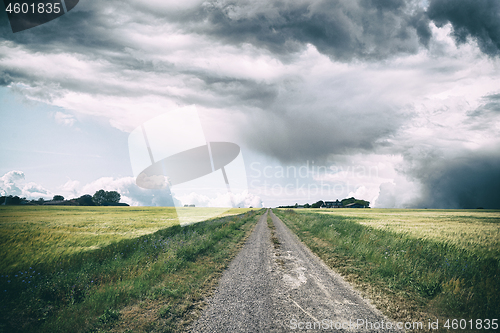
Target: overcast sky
395,102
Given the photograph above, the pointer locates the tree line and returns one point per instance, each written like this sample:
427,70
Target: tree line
321,203
100,198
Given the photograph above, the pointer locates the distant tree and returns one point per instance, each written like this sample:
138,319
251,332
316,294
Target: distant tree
85,200
41,200
351,200
99,197
317,204
102,197
15,200
58,198
348,201
307,205
113,197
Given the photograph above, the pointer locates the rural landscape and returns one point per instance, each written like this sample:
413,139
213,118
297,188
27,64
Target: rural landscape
220,166
134,269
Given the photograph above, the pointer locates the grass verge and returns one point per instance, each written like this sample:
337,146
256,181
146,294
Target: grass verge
274,239
409,278
151,283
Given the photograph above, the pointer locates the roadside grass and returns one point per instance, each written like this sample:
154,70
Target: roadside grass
411,274
152,282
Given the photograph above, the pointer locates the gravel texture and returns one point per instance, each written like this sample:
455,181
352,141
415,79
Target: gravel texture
284,288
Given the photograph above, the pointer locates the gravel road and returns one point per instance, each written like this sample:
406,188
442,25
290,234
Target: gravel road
284,288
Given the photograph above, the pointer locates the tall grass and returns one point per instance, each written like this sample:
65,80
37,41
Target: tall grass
439,275
87,291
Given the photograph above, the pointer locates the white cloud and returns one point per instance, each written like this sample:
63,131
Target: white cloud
13,183
242,200
71,187
364,193
9,183
399,193
33,191
64,119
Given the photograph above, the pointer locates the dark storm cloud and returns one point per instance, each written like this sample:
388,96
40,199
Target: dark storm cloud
342,29
84,32
366,29
488,109
479,19
492,103
322,131
237,91
484,118
5,79
469,181
94,36
8,76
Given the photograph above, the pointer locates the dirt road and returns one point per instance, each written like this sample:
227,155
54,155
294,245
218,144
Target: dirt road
283,287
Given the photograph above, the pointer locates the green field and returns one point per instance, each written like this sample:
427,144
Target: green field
134,269
119,268
477,230
415,265
31,235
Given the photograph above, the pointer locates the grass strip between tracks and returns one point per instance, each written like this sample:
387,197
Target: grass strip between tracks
408,278
151,283
274,240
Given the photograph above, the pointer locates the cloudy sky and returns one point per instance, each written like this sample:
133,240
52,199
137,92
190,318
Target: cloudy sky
395,102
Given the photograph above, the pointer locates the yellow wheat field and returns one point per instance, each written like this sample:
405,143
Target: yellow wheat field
477,230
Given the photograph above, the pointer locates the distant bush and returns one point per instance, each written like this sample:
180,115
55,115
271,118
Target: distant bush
352,200
103,198
317,204
85,200
11,200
